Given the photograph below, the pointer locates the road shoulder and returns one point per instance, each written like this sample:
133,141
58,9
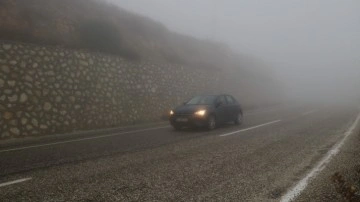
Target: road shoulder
340,180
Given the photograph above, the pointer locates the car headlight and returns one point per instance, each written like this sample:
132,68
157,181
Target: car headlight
200,113
171,112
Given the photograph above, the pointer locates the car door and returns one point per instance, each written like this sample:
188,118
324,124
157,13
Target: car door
232,109
237,106
221,109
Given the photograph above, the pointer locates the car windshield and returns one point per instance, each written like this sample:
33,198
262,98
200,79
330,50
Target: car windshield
202,100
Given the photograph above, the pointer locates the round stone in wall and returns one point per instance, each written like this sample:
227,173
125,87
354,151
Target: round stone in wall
29,127
22,64
7,46
5,69
15,131
28,78
13,98
58,99
23,97
24,121
35,122
47,106
13,62
8,115
11,83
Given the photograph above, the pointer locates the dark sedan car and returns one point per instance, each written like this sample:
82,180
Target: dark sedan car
207,111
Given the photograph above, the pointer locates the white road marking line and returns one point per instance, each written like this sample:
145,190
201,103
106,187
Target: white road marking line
246,129
82,139
309,112
15,182
126,127
261,112
301,185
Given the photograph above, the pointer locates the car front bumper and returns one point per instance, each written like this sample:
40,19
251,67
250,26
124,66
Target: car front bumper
188,120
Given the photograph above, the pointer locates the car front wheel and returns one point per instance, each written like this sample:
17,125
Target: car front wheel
239,119
211,124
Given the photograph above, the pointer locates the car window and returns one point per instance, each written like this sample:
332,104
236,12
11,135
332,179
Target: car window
201,100
222,99
230,99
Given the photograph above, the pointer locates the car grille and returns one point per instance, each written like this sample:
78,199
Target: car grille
182,115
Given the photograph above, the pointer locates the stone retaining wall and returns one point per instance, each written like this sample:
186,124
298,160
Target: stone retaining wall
47,90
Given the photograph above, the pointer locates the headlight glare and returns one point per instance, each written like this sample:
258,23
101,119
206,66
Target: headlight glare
200,113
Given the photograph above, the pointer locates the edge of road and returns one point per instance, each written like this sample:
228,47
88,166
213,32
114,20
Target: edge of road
298,187
340,180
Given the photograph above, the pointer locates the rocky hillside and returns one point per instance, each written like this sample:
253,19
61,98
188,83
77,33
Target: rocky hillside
101,27
108,29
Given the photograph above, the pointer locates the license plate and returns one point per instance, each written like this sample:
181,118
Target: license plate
181,119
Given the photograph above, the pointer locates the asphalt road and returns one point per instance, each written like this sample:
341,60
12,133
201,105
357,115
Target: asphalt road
259,161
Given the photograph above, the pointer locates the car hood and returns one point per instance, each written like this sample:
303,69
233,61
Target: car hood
190,109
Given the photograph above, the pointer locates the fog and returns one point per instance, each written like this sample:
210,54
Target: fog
312,46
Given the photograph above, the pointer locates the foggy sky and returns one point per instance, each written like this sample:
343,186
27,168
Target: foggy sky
313,45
